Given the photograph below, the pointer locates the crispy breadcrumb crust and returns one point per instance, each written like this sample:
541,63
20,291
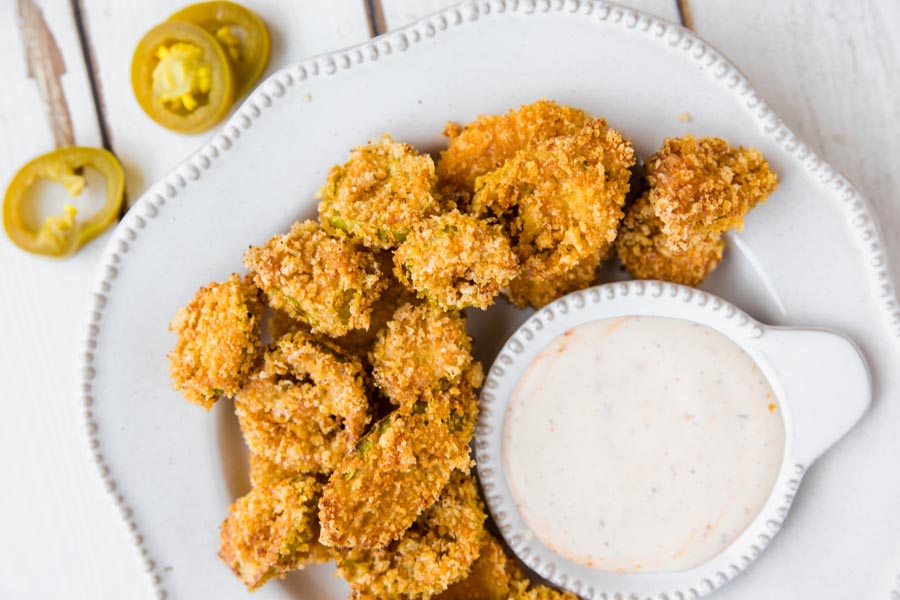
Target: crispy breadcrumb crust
357,341
323,280
395,295
646,253
497,576
454,261
539,291
705,187
379,193
435,552
492,576
530,591
307,405
486,143
561,201
394,474
264,472
273,530
280,324
420,349
218,340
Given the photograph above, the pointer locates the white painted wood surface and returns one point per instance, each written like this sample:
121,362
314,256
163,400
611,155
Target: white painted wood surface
831,68
398,13
149,151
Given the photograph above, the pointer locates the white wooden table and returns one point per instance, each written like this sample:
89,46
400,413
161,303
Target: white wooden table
830,68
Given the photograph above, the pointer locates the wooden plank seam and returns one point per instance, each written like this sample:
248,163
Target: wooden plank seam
90,66
684,13
375,16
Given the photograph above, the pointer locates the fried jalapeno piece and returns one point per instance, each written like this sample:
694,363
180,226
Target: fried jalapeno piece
529,591
561,201
486,143
379,193
393,475
264,472
699,188
306,407
646,253
420,349
496,576
455,260
539,291
218,341
435,552
395,295
273,530
325,281
703,187
492,577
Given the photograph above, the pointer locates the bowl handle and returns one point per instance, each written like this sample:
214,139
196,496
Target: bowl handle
825,384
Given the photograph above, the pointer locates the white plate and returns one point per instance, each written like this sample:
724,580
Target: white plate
810,257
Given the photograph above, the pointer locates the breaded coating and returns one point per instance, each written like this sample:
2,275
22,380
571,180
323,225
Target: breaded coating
705,187
486,143
646,253
379,193
457,405
273,530
325,281
420,349
492,577
394,474
306,407
435,552
529,591
497,576
357,342
360,341
561,201
218,341
539,291
280,324
264,472
455,260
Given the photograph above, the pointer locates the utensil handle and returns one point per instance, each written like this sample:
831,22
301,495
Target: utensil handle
825,383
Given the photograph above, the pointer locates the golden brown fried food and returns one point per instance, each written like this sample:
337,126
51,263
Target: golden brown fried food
492,577
420,349
646,253
264,472
360,341
307,405
436,551
325,281
357,342
379,193
705,187
455,260
538,291
496,576
486,143
394,474
273,530
529,591
457,405
561,201
218,341
280,324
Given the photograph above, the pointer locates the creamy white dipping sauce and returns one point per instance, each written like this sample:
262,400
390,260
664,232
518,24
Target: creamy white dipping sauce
642,444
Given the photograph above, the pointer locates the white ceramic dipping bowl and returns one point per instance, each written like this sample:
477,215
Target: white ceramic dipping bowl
819,377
